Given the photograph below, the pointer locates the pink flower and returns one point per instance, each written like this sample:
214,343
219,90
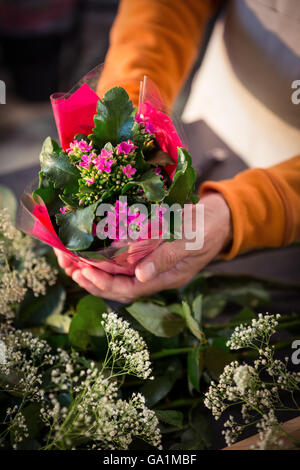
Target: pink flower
106,153
126,147
89,180
149,127
128,170
103,162
81,145
118,221
157,170
86,160
63,210
84,147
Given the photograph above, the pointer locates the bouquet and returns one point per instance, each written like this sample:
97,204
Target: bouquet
109,182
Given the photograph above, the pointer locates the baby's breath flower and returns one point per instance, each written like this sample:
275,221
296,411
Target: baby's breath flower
20,268
258,395
127,346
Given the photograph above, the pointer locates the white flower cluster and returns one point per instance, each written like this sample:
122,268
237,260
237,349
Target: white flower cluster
243,377
20,371
82,408
256,388
127,347
270,433
261,329
97,415
20,267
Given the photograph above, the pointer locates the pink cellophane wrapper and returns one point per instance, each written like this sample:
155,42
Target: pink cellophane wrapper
73,113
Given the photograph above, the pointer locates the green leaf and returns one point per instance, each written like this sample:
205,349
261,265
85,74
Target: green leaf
86,323
191,323
251,295
8,201
172,417
197,308
215,359
184,179
156,319
59,323
152,185
35,311
195,366
47,192
155,390
246,315
56,166
213,305
114,118
75,227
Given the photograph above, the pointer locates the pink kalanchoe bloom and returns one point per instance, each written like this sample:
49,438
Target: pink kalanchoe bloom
106,153
90,180
72,145
63,210
128,170
86,160
126,147
149,127
84,147
103,162
81,145
157,170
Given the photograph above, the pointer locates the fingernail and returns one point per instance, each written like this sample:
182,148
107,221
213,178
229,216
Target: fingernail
146,271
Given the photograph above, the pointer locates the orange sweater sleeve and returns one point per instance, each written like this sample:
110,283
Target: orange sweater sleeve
265,206
157,38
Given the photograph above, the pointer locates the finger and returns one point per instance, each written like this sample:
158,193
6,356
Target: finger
161,260
63,260
85,284
116,287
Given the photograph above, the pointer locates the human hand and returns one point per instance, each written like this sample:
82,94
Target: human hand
170,266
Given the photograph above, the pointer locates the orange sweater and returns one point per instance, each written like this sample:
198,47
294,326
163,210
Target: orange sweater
160,39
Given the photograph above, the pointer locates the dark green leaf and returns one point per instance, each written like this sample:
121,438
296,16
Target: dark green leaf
213,305
183,181
86,323
35,311
75,227
191,322
246,315
215,359
172,417
56,166
156,319
195,366
47,192
114,118
152,185
155,390
197,308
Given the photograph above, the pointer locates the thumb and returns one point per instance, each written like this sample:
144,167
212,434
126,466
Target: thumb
164,258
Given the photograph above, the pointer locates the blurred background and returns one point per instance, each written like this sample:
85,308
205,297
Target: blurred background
45,46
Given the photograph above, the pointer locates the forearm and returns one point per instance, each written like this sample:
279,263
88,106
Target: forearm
157,38
265,206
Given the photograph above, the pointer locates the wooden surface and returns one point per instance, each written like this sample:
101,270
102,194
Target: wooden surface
292,427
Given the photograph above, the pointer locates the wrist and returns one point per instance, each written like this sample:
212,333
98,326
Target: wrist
218,220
